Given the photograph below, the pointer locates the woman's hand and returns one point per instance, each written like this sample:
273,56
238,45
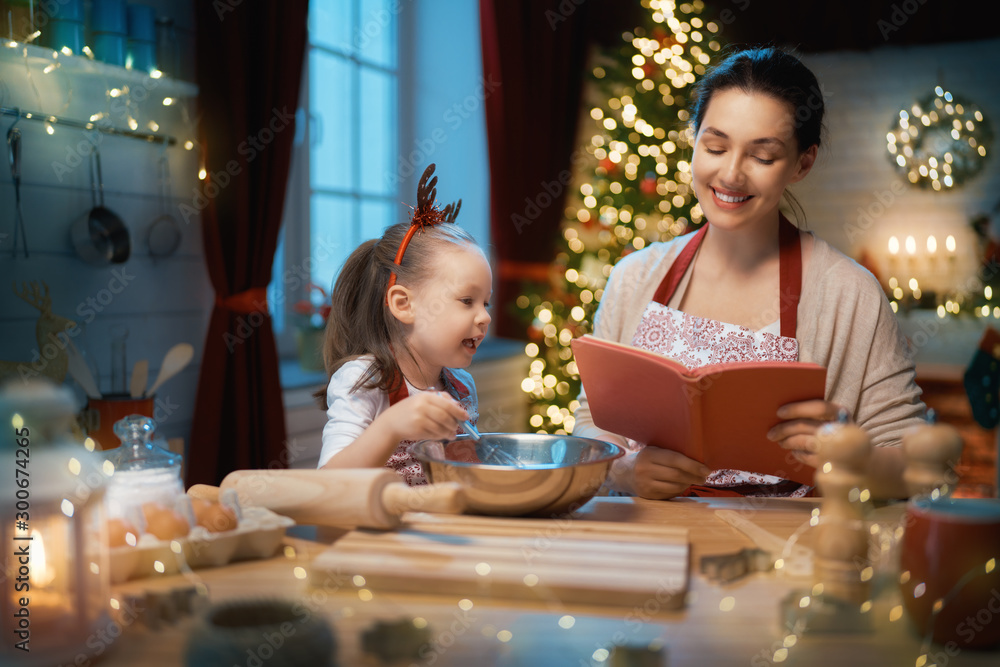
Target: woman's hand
425,416
797,433
659,474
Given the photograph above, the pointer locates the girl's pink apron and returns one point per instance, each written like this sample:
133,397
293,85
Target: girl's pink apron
401,460
696,341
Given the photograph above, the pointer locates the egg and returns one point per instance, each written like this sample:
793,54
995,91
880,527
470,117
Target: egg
121,533
164,522
215,517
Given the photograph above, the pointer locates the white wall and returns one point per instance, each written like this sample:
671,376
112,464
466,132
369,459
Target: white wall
162,301
854,183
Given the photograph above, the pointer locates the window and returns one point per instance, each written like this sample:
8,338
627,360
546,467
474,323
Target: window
341,190
357,156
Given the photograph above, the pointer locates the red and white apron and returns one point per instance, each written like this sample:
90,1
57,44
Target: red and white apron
696,341
401,460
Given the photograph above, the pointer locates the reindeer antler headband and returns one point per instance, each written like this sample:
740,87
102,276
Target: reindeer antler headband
426,214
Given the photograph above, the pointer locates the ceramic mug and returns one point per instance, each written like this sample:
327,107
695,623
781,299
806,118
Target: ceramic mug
951,552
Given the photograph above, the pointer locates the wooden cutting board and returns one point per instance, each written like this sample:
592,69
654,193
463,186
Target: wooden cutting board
569,561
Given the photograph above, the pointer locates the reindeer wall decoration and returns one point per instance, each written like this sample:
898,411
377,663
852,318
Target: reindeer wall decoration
49,358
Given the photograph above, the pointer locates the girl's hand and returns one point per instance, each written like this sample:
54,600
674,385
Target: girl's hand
425,416
659,474
797,433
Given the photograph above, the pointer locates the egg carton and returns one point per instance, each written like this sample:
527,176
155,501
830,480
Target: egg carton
258,535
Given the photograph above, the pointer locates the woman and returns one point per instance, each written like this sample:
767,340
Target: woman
749,274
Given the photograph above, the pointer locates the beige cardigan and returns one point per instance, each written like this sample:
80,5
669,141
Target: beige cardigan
845,324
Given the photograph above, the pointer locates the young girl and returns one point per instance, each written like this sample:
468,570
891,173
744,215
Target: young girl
408,312
750,286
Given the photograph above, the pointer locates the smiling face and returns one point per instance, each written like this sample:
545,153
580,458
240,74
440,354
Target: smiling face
745,155
448,311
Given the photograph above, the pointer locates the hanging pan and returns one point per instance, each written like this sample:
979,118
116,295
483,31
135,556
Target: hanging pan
165,232
100,237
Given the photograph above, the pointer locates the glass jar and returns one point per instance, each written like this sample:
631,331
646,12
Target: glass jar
144,472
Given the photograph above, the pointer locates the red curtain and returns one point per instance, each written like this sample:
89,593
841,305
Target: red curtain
249,65
536,51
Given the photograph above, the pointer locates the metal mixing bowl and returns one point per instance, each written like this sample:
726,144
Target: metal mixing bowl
553,474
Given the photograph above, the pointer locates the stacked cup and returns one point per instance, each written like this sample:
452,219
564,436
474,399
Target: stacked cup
65,29
141,38
107,23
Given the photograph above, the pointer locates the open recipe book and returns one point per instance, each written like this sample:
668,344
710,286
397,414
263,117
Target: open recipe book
717,414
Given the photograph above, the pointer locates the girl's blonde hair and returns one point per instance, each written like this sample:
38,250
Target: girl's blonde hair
360,322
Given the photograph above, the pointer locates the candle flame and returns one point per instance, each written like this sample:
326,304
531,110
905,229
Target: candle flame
949,243
41,573
893,245
931,244
911,245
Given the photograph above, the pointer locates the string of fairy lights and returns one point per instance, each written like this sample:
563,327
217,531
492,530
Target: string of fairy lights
638,191
124,101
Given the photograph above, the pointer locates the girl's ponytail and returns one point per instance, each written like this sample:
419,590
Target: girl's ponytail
359,322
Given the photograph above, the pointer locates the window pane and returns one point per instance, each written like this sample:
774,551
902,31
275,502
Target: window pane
375,36
375,217
332,235
276,289
378,132
330,23
331,92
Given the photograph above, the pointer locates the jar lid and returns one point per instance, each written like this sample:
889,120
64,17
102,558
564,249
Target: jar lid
138,452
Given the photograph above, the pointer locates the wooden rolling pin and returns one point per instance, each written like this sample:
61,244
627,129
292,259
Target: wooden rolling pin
366,497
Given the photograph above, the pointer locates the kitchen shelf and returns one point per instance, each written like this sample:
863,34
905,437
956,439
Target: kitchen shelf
34,76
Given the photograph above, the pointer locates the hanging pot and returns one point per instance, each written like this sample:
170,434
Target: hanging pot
101,237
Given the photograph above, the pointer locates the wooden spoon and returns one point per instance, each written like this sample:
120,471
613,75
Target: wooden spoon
80,372
140,375
176,359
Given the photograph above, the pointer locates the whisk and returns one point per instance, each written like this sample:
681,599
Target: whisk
493,453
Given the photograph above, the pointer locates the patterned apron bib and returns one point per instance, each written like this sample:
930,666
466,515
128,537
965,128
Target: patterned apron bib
401,460
696,341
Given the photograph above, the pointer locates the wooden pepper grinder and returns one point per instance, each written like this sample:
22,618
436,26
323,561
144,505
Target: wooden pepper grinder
932,451
841,551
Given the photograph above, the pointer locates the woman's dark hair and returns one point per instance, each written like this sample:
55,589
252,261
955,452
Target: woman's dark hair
767,71
360,322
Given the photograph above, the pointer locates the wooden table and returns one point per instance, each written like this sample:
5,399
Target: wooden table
735,624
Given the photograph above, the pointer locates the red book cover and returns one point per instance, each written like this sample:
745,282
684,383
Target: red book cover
718,414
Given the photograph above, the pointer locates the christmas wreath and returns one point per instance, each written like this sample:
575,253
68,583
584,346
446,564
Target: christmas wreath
940,142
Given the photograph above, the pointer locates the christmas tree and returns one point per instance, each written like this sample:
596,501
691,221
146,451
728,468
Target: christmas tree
632,186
